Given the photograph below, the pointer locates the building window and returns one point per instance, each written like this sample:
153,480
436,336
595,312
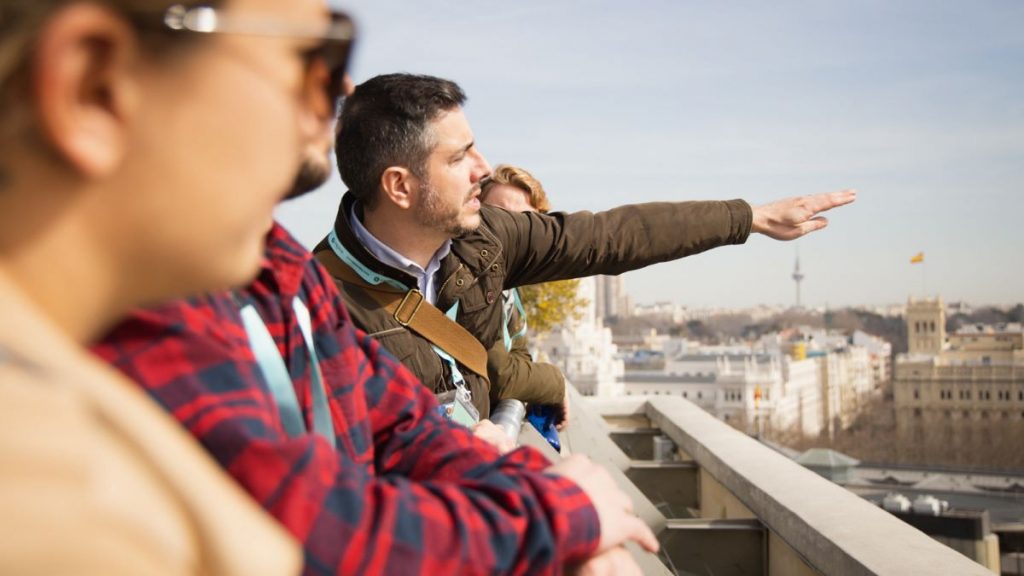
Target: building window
933,326
966,414
917,412
917,395
700,395
684,395
984,414
1020,395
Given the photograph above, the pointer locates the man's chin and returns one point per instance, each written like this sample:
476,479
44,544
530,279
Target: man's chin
466,225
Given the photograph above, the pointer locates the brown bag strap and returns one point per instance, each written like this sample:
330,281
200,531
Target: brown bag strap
411,310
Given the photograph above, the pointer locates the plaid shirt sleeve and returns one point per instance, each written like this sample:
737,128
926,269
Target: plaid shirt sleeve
404,492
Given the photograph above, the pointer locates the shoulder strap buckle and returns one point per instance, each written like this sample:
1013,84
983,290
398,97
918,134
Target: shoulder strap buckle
418,296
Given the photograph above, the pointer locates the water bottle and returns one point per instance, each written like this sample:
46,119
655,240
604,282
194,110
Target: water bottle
509,415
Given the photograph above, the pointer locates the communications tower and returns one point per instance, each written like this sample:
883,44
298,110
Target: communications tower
798,277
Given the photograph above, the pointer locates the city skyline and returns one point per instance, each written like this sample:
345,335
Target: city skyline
918,106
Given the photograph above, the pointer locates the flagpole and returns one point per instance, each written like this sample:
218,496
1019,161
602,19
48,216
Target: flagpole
919,259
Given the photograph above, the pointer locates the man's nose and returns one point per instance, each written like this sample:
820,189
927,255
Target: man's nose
482,168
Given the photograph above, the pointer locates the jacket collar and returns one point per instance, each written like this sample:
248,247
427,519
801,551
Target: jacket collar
479,249
476,251
356,248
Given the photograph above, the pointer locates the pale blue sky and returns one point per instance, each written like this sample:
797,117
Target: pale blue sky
917,104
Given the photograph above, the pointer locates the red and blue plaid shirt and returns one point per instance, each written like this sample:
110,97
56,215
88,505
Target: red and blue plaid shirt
404,492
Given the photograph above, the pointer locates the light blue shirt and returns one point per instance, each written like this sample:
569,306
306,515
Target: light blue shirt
426,279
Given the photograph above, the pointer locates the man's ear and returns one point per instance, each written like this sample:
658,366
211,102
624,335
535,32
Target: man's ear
398,185
83,87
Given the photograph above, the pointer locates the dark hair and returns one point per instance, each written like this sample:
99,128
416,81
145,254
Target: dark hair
386,122
21,20
20,24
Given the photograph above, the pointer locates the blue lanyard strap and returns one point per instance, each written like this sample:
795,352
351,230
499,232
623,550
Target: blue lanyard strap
457,378
511,298
278,379
322,422
363,270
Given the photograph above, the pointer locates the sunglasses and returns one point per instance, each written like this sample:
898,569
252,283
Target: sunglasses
332,51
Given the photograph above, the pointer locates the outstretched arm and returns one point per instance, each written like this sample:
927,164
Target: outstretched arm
794,217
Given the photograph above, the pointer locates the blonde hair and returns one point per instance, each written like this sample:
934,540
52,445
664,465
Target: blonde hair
512,176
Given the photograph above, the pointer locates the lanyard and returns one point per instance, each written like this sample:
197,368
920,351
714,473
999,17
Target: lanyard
364,271
506,311
376,279
457,378
278,379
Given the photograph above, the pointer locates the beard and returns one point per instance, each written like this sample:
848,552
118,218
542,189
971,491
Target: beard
433,213
314,171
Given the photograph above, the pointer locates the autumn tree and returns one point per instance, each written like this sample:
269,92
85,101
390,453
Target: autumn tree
551,304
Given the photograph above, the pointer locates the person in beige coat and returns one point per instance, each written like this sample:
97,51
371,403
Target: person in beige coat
119,188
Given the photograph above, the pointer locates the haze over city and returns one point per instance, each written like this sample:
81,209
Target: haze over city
918,105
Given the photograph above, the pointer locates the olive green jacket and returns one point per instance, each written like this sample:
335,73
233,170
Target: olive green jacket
512,370
512,249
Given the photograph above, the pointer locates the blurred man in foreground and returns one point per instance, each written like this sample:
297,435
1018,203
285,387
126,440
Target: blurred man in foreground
118,189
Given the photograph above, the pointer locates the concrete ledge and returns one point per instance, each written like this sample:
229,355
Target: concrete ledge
619,406
835,531
649,563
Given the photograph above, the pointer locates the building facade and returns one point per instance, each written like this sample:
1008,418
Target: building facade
583,348
795,383
963,391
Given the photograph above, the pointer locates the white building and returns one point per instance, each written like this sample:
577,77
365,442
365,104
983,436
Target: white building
583,349
781,383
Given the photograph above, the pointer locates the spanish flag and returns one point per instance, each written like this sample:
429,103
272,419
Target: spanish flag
917,258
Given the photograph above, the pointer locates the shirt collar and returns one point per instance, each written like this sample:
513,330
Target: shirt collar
386,255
